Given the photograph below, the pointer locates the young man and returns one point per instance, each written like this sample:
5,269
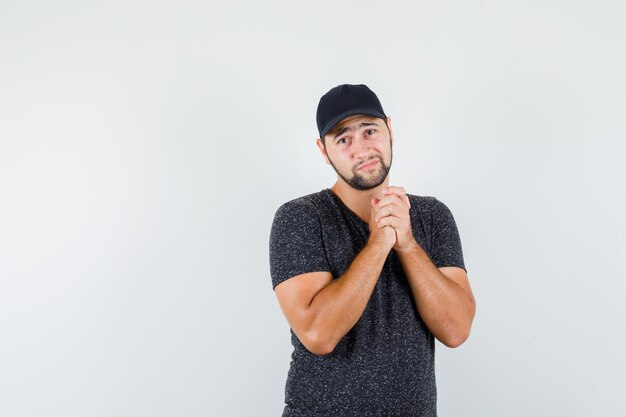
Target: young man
366,275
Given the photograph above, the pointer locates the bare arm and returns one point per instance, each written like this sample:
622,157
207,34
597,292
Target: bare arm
321,310
443,296
336,309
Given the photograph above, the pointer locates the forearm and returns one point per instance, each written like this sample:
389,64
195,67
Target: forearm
446,308
338,307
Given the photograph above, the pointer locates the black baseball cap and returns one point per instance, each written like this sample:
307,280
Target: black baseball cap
346,100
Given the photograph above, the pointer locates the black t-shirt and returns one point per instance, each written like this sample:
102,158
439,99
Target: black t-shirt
385,365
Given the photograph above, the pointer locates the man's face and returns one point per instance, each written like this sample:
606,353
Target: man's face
359,148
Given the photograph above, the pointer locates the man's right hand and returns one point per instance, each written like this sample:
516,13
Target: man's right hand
384,236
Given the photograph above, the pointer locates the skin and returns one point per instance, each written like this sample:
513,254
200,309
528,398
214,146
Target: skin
320,309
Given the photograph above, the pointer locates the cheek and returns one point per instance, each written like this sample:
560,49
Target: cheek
342,154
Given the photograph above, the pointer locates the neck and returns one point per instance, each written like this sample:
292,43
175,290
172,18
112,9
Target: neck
359,201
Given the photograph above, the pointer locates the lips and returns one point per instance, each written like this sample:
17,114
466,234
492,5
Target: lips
368,164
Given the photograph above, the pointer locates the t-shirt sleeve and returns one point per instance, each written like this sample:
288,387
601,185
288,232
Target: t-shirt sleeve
296,245
446,243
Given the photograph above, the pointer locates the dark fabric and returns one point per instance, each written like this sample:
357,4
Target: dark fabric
345,100
385,365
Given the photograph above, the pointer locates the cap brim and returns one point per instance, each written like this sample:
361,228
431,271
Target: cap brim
332,122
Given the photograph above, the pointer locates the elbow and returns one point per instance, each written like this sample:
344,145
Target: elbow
456,340
321,350
457,336
317,344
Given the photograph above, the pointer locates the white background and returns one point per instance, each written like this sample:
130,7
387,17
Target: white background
146,145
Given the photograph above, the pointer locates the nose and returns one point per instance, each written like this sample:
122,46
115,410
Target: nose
360,148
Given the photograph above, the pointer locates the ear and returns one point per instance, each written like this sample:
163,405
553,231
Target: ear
390,127
320,145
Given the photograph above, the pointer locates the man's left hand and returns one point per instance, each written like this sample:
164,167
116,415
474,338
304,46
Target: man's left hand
393,210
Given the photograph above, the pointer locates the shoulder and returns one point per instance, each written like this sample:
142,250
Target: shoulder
300,214
429,209
425,204
304,205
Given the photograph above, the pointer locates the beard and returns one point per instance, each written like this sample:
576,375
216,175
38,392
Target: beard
362,182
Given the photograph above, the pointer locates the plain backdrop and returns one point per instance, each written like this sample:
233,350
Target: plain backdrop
146,145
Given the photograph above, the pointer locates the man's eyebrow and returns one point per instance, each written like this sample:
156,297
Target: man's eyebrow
363,124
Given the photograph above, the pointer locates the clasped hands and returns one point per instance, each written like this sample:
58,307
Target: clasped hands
390,223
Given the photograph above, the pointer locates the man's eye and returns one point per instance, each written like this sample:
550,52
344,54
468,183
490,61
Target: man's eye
340,141
371,130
